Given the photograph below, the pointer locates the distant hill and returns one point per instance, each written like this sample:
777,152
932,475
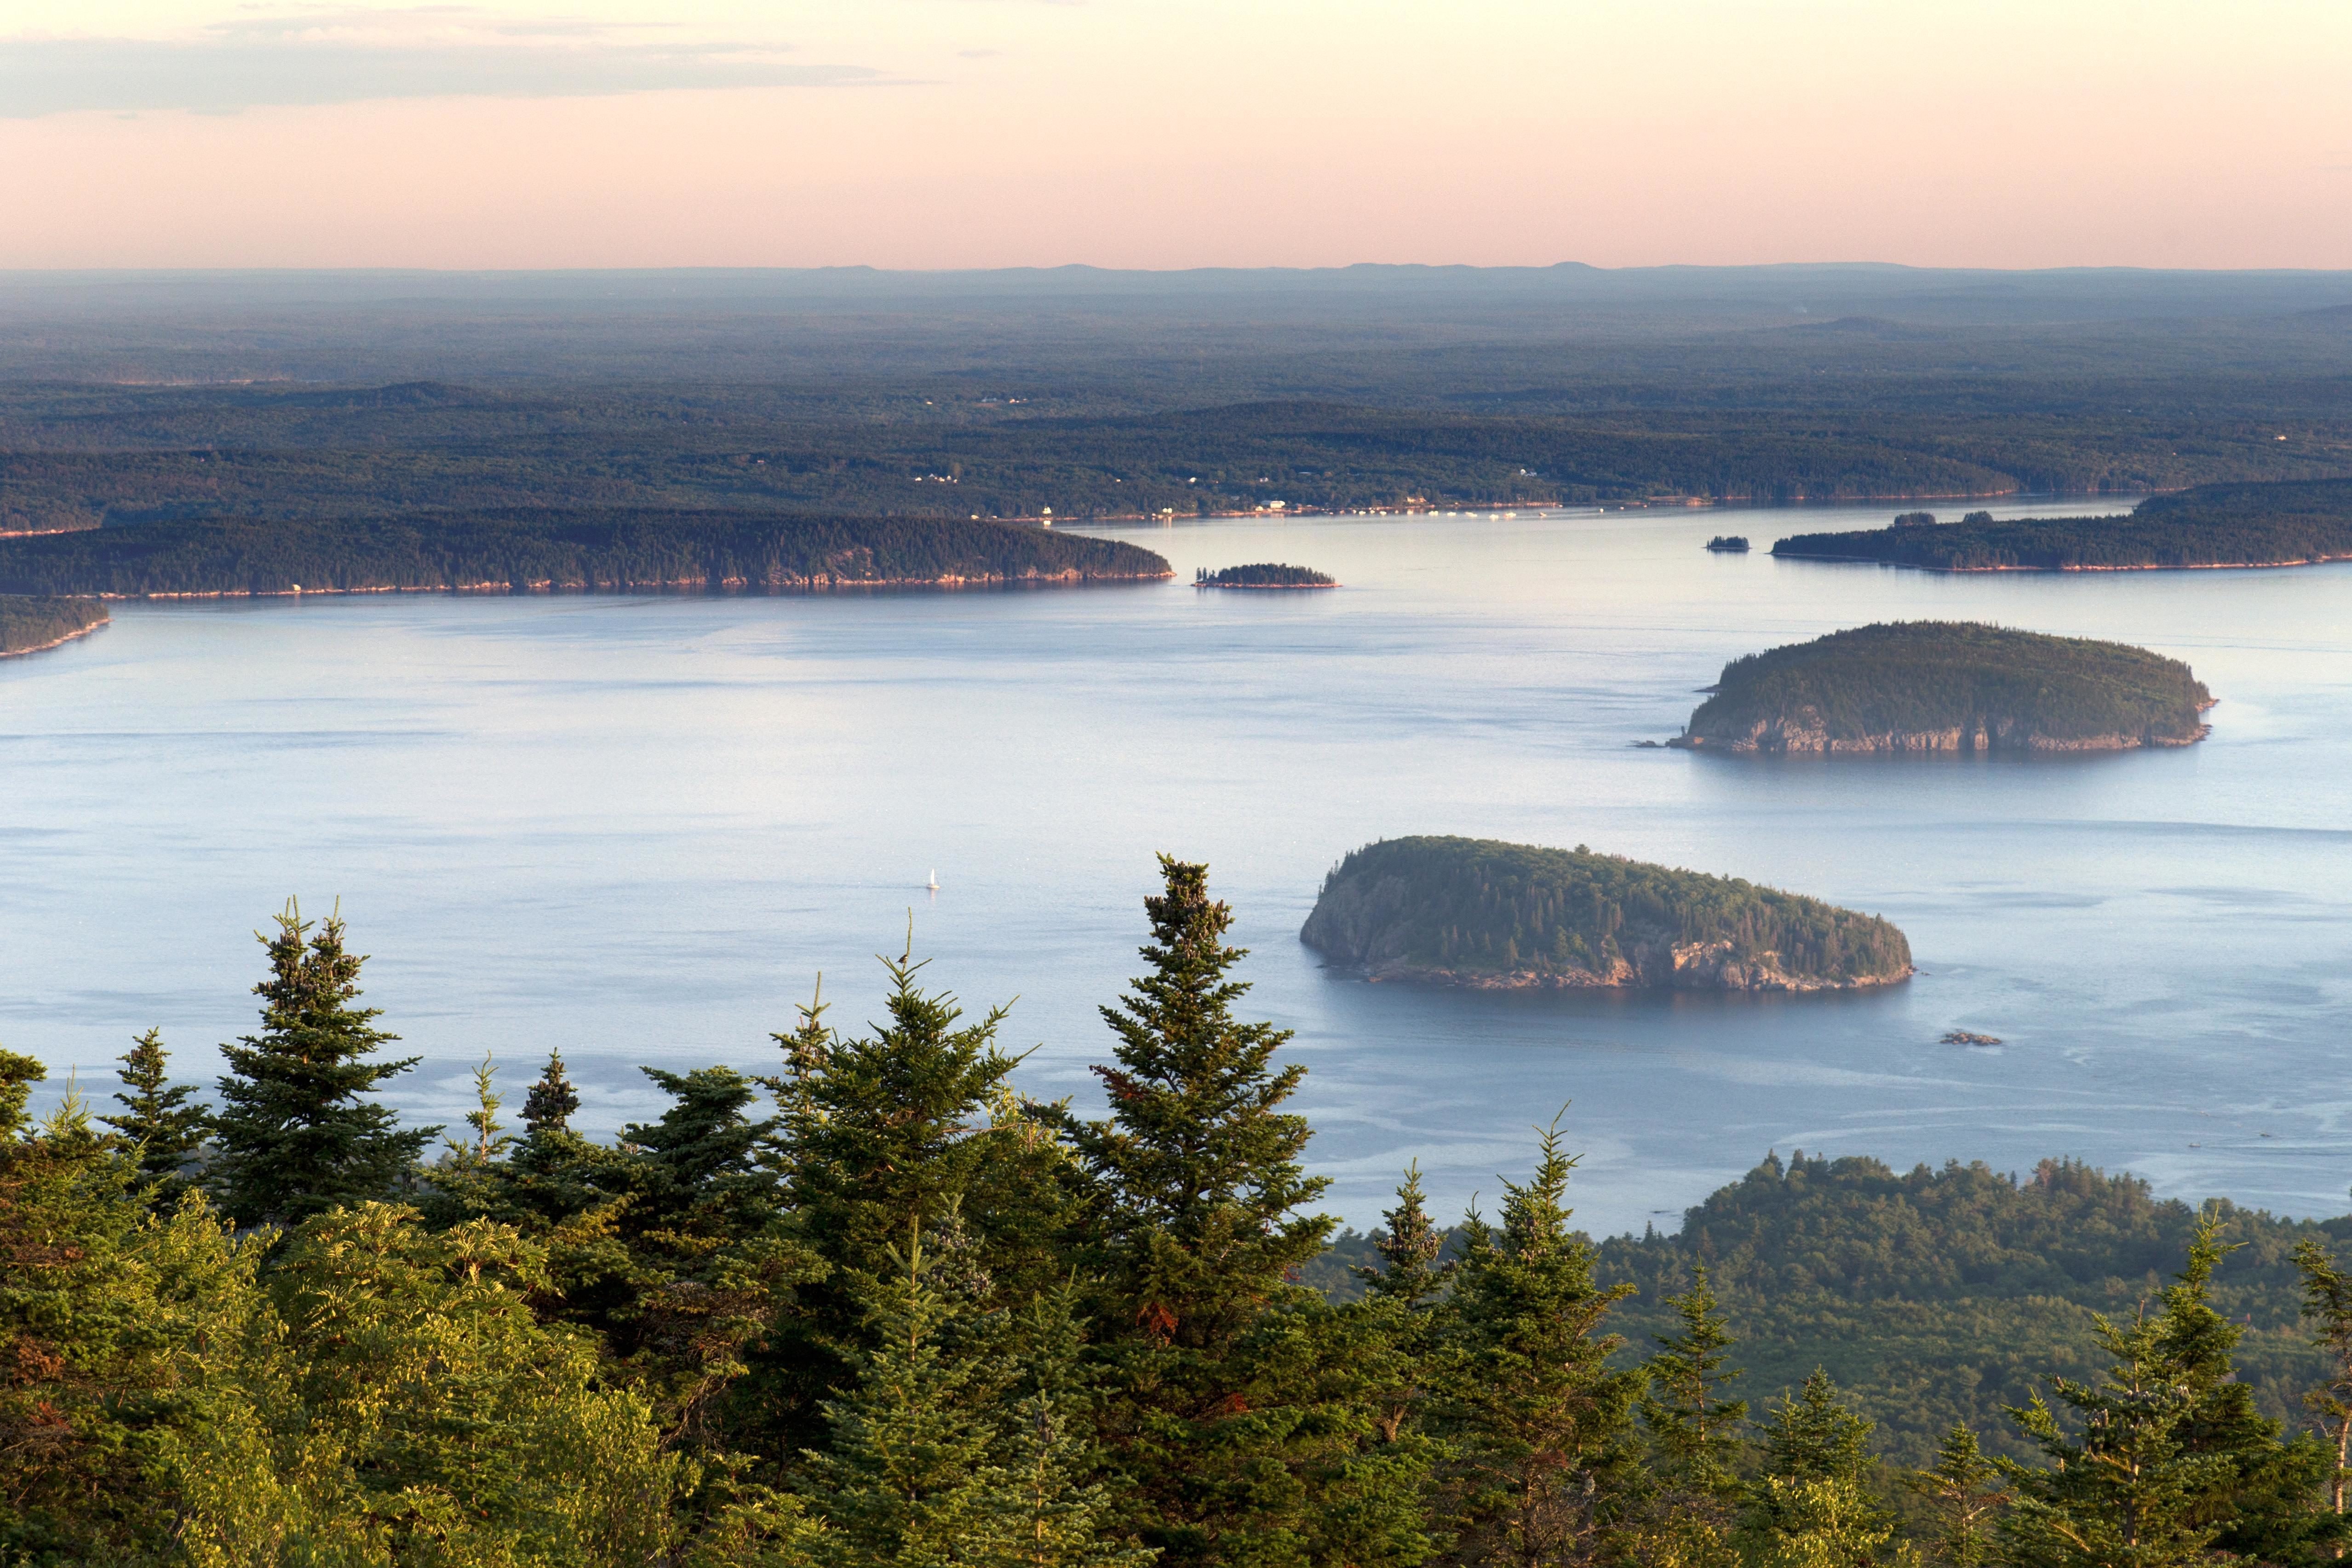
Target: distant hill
30,624
2291,522
1473,911
1949,685
543,550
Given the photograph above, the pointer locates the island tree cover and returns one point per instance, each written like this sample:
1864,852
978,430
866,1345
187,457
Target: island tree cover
1949,685
1479,911
27,624
544,549
1262,574
2280,523
880,1309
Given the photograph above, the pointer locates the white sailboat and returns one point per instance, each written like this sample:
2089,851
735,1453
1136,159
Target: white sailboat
934,883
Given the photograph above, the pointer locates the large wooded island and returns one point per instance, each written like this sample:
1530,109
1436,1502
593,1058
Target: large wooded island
530,549
1949,685
1475,912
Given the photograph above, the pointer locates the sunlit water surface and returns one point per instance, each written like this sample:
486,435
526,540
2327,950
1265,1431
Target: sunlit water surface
637,828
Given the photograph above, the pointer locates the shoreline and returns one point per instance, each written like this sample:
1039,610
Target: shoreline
670,586
2143,566
56,642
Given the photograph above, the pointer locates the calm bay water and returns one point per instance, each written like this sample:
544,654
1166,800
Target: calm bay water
636,829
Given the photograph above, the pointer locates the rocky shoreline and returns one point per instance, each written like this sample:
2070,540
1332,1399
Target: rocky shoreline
1982,736
55,641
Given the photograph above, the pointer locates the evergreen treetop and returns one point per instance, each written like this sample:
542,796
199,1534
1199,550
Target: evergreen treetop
1198,1170
298,1135
157,1117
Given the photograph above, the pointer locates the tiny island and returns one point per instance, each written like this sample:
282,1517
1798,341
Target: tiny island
1728,545
1479,913
2288,522
35,624
1263,575
1949,685
524,550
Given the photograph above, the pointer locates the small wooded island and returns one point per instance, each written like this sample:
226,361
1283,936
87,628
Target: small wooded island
32,625
1263,575
1949,685
1728,545
1475,912
530,550
2299,523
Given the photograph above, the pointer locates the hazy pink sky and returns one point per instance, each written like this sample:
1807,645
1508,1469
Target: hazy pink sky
1175,132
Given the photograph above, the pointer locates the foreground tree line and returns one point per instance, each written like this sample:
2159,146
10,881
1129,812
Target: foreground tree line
878,1308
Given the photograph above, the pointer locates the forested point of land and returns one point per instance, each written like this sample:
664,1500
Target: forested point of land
1477,911
1262,574
1949,685
1935,1296
533,551
2280,523
878,1308
29,624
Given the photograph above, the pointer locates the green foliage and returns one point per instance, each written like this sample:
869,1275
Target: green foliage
1539,1426
1964,1493
30,622
1475,908
1265,574
532,549
1912,677
1939,1297
2283,522
157,1118
296,1135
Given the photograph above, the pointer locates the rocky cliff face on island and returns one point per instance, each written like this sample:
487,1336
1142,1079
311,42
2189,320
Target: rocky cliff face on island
1932,685
1475,912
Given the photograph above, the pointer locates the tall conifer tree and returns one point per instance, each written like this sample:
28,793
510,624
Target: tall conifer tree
1540,1424
157,1117
298,1134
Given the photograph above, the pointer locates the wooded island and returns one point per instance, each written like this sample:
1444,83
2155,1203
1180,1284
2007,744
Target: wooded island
2289,523
1475,911
532,549
1949,685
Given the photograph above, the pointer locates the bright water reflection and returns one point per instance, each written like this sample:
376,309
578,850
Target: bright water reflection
637,828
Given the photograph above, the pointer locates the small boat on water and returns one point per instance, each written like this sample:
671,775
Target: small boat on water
934,883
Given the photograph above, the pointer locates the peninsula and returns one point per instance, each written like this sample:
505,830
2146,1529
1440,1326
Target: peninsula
32,625
1949,685
536,549
1263,575
2285,523
1475,911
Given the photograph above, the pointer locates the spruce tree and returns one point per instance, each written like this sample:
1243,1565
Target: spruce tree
2327,1306
298,1134
1691,1442
552,1101
1199,1168
1541,1425
157,1117
1196,1236
906,1477
1812,1506
1963,1492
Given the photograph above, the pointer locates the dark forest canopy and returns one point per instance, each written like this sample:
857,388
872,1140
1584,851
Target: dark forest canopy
1477,911
1949,685
1262,574
526,550
28,625
2280,523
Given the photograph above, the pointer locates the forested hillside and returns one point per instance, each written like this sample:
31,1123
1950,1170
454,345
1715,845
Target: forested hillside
1949,685
2283,523
554,550
1470,910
